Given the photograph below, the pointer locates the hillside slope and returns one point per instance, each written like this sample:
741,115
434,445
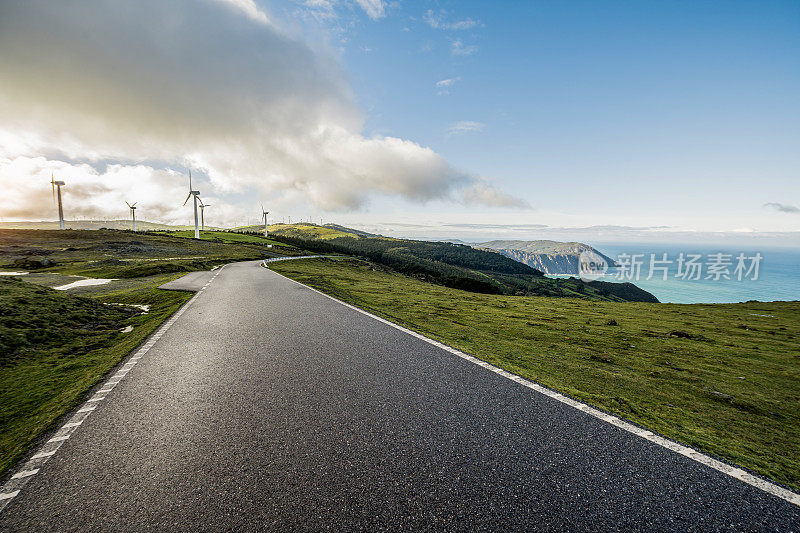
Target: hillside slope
457,266
550,257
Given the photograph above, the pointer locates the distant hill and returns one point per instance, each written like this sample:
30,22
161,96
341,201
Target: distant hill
476,268
550,257
511,268
344,229
304,230
142,225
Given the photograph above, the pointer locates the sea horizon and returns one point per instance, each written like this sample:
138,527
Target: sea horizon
778,278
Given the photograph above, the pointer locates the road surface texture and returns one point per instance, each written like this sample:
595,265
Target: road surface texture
193,281
267,406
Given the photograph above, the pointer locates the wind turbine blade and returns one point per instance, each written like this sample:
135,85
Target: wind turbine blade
129,205
53,183
190,180
134,204
187,198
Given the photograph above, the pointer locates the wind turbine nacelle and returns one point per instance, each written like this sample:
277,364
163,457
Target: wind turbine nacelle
59,183
195,192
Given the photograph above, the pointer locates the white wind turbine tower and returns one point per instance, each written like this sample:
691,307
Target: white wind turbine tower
58,184
202,216
264,214
195,194
133,213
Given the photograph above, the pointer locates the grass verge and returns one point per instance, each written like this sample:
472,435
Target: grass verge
56,346
723,378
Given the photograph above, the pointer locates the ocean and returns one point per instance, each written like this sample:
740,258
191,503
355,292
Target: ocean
778,272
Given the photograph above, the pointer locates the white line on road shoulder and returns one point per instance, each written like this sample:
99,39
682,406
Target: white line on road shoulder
12,487
24,473
691,453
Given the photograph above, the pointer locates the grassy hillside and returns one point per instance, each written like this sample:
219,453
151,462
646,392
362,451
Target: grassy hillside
452,265
307,230
239,237
54,346
724,378
118,254
310,231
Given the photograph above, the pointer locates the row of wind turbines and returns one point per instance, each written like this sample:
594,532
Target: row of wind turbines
194,194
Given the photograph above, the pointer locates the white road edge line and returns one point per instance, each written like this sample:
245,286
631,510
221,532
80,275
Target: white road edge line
20,478
24,473
42,455
691,453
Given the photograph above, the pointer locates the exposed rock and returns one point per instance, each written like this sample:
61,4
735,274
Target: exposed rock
550,257
33,263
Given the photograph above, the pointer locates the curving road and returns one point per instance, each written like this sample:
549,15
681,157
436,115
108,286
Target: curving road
267,406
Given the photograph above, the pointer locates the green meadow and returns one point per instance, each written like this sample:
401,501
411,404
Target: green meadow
56,345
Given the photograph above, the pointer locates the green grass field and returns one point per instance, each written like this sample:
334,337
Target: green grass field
307,231
55,346
724,378
229,237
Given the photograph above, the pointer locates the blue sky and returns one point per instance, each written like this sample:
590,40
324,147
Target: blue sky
679,116
626,110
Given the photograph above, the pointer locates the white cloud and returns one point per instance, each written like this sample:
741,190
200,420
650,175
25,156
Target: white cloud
458,48
447,82
321,11
89,192
256,110
444,85
437,21
485,194
465,126
326,10
321,4
374,9
249,8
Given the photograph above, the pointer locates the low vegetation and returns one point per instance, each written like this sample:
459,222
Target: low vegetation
56,345
232,237
452,265
724,378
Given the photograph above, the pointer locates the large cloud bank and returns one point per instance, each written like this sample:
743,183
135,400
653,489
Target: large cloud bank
116,95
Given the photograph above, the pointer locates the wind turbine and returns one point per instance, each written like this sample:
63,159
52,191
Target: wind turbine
58,185
202,217
196,194
133,213
264,214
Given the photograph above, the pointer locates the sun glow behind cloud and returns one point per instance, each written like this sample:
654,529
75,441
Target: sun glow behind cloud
121,98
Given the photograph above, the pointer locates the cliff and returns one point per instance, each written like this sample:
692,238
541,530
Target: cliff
550,257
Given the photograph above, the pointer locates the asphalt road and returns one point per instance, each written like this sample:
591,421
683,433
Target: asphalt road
267,406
